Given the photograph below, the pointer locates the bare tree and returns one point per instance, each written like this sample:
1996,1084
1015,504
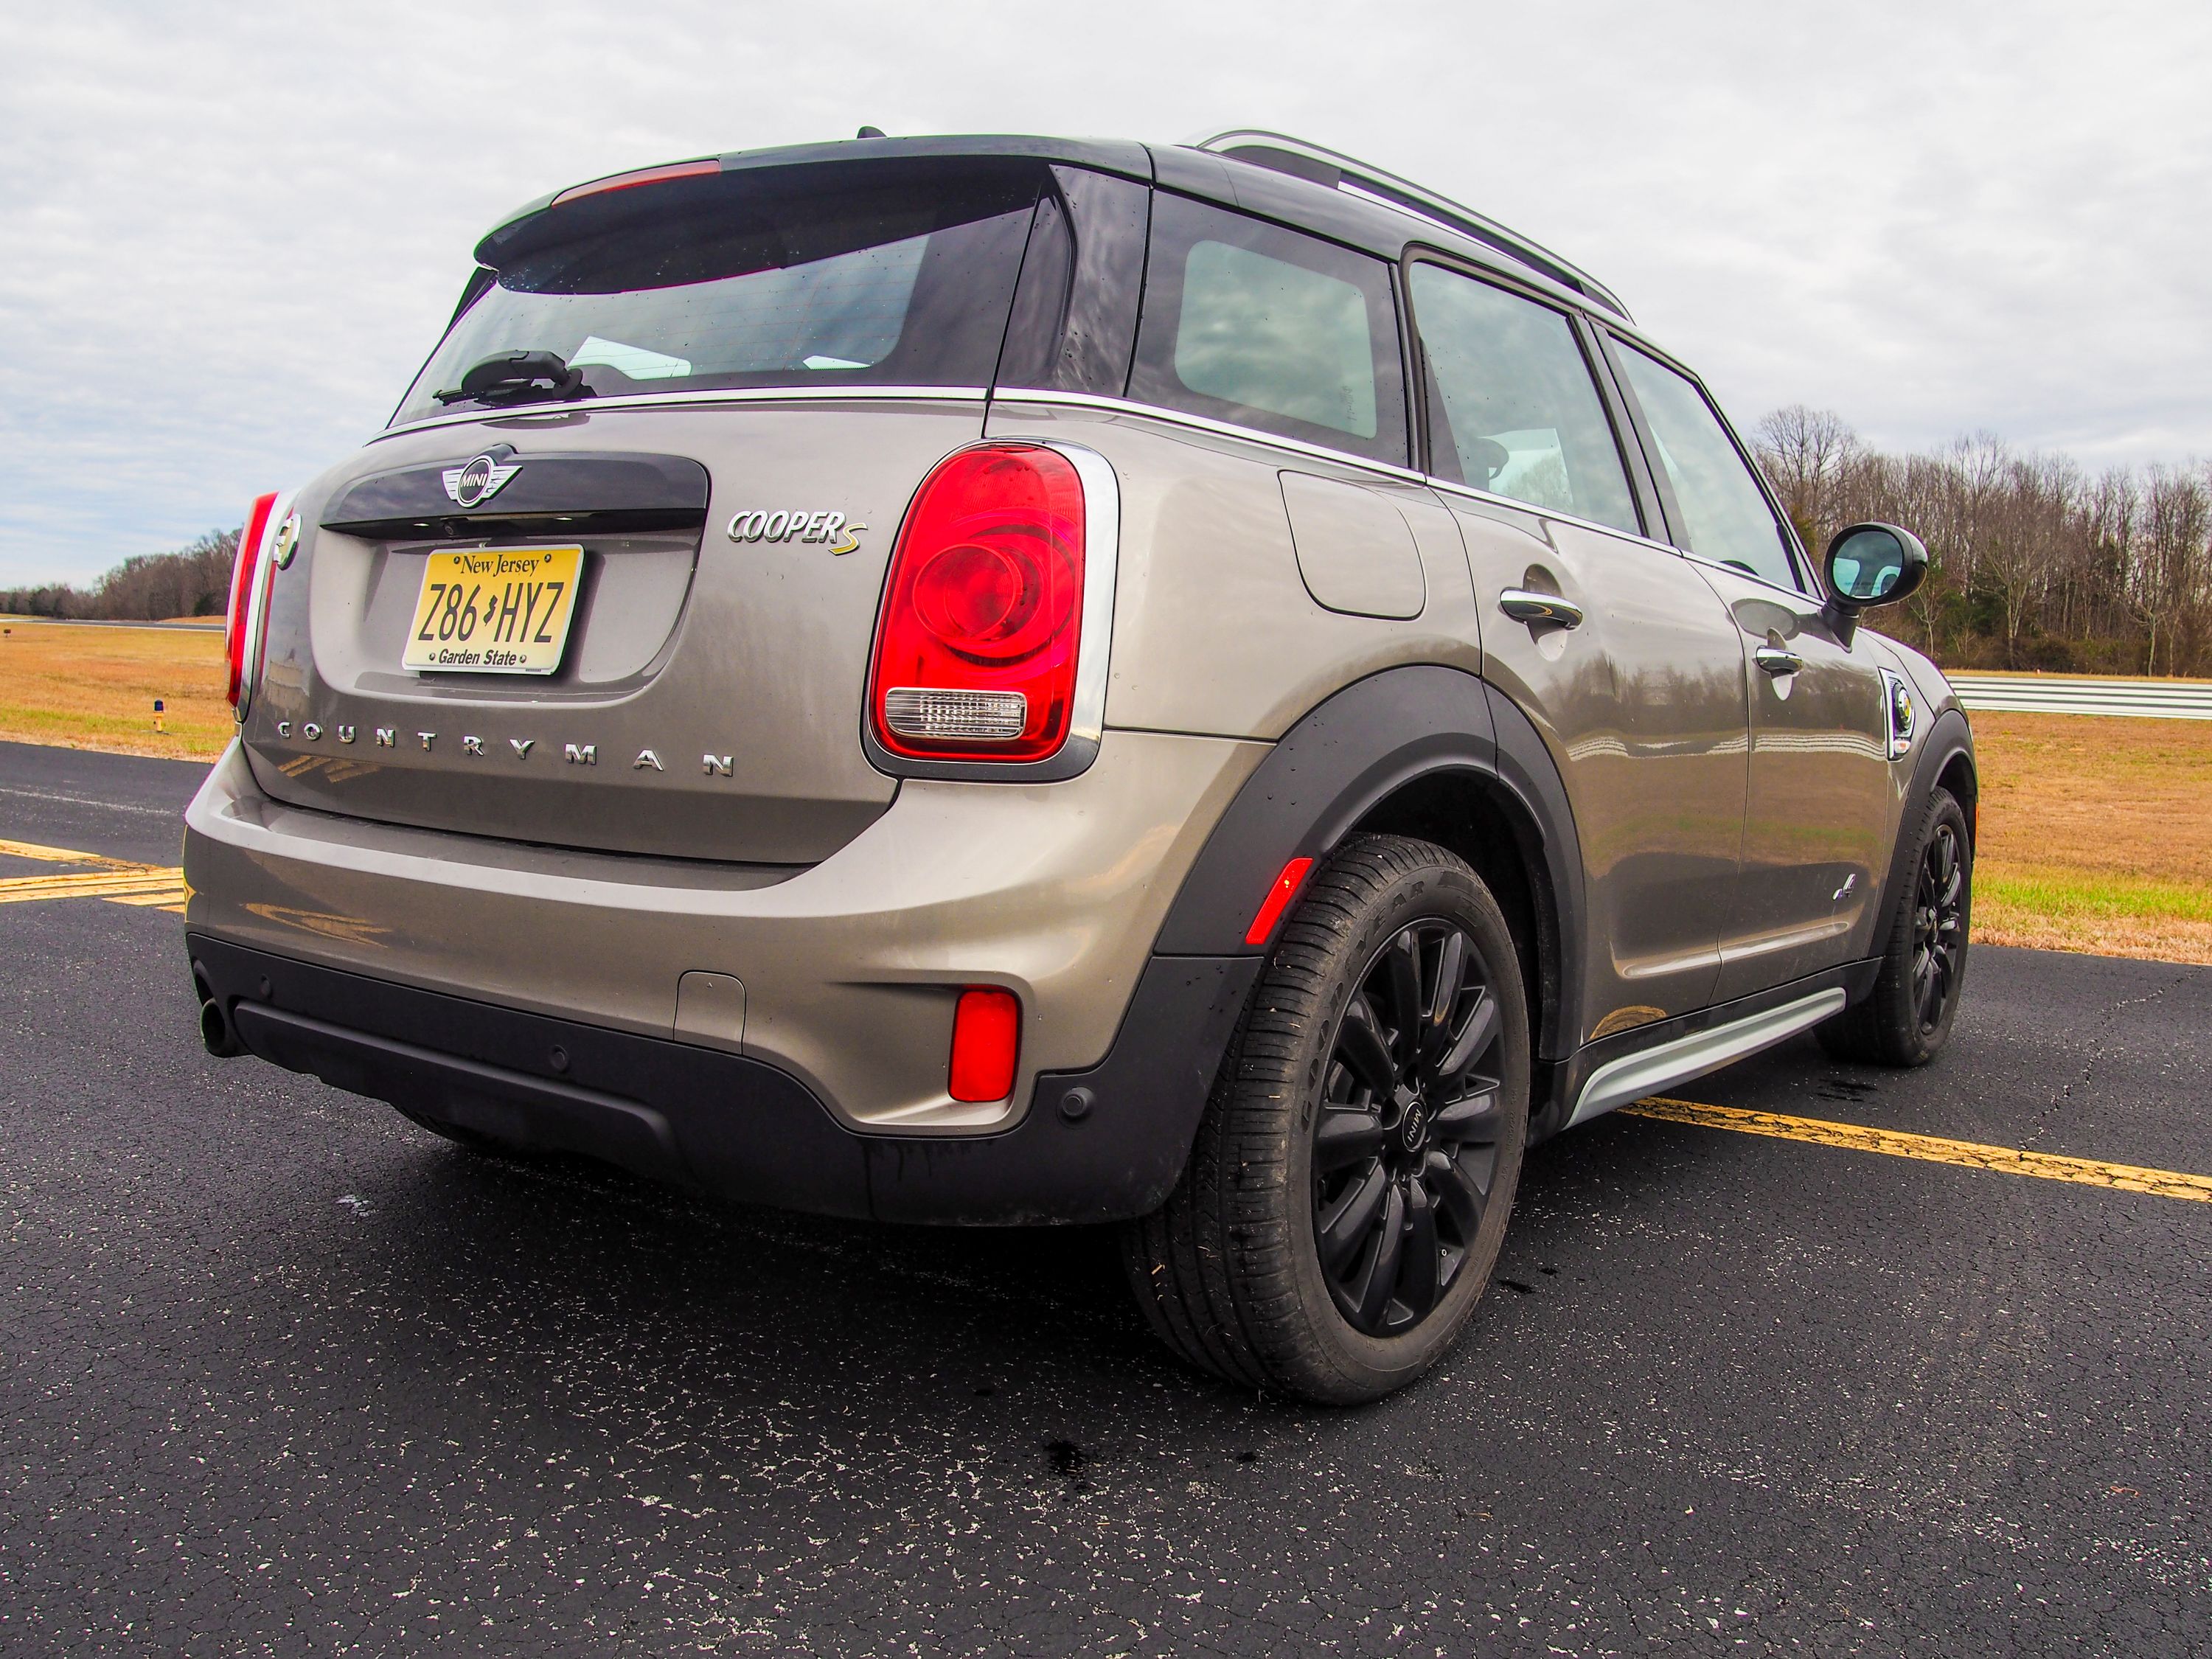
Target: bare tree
2031,563
1806,453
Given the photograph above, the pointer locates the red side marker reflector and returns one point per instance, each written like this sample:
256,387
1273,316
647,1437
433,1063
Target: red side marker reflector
1278,898
987,1040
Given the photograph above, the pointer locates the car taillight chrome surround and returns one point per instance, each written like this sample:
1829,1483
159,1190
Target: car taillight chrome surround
250,574
959,719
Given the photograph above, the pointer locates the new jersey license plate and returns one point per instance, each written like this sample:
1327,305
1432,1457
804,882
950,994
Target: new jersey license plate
494,610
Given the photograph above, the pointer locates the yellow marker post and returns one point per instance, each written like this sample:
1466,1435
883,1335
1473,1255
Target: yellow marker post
157,714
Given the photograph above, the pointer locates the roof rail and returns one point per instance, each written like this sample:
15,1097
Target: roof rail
1337,171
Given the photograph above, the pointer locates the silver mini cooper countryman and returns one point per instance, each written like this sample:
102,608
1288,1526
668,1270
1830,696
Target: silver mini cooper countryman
1007,681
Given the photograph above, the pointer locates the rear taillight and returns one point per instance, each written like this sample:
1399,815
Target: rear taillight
244,569
982,620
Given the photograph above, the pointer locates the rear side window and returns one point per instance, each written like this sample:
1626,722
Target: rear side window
1251,324
1725,517
1512,406
867,274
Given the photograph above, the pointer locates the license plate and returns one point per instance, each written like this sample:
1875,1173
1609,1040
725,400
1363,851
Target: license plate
494,610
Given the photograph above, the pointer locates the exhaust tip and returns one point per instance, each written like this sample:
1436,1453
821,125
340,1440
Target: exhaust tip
216,1031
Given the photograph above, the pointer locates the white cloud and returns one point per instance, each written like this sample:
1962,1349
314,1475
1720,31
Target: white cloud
233,233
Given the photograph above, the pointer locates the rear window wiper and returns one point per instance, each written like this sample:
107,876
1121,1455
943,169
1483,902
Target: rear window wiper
517,377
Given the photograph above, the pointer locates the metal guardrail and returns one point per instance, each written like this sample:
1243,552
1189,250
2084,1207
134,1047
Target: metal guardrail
2080,694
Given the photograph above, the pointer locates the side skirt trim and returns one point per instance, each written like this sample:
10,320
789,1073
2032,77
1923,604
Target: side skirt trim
1634,1076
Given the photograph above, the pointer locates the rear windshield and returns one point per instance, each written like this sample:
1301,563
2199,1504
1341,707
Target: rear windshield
866,274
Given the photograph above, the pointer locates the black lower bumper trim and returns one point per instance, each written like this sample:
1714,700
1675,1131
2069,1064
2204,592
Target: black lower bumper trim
736,1127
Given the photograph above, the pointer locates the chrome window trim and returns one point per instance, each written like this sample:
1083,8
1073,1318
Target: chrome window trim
1359,462
1102,560
750,394
1738,571
1452,487
1205,423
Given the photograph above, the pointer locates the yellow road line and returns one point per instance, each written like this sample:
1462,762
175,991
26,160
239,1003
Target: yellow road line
91,883
169,896
151,885
1967,1154
31,849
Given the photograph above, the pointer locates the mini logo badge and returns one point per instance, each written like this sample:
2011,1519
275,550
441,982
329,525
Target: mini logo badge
475,482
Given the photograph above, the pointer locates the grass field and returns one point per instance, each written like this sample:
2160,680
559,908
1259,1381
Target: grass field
2096,833
94,688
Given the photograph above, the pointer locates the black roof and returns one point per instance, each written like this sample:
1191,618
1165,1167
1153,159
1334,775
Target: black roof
1253,178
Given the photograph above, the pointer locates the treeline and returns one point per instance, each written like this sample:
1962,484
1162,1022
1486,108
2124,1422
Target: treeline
192,582
2033,562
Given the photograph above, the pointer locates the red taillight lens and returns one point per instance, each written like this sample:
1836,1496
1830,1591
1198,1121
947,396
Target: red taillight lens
976,652
987,1040
243,569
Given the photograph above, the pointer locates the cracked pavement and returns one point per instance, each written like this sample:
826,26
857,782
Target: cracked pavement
281,1374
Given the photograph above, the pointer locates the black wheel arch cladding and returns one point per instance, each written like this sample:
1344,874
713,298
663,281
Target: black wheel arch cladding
1948,747
1347,763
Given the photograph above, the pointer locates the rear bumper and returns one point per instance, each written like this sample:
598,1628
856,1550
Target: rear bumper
440,971
1102,1144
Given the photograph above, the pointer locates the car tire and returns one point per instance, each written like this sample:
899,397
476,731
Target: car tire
1352,1179
1908,1017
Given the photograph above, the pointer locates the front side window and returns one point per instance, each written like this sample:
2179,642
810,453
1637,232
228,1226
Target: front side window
1725,517
1512,407
1251,324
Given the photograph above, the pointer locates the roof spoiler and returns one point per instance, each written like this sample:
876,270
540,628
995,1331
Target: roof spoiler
1334,170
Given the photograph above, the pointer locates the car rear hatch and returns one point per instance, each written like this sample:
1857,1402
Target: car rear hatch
616,591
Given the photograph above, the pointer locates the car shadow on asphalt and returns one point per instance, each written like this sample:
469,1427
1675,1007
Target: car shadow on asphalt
540,1266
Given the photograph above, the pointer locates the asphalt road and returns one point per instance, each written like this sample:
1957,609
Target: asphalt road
281,1374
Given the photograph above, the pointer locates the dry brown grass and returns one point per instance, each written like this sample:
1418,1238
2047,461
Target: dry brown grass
2096,835
94,688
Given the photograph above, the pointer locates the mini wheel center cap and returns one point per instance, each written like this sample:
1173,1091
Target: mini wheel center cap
1414,1126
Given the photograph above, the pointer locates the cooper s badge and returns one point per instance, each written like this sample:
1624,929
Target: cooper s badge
475,482
796,525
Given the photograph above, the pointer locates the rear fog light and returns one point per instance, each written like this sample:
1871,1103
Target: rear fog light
987,1032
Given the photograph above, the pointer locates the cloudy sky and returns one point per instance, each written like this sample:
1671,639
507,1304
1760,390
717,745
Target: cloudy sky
233,231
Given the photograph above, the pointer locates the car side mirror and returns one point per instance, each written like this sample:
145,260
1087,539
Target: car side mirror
1870,564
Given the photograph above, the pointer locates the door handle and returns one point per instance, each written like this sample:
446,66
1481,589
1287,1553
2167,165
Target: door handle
1522,606
1773,659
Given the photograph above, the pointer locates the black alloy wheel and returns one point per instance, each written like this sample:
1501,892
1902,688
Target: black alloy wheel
1351,1180
1907,1018
1404,1148
1939,925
